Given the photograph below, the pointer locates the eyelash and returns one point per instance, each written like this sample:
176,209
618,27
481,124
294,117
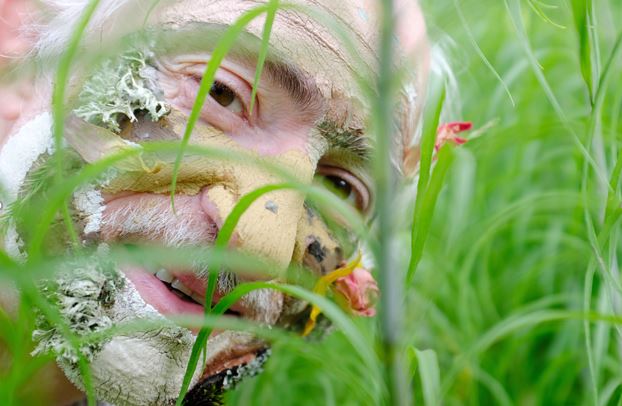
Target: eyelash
235,89
362,199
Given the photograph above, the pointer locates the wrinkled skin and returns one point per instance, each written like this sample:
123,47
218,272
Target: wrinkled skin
287,126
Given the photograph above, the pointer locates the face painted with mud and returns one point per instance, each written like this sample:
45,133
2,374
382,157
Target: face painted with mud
309,118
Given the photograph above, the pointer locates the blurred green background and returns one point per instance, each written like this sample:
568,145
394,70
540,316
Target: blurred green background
518,293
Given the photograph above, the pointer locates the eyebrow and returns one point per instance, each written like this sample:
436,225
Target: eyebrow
351,140
301,88
305,92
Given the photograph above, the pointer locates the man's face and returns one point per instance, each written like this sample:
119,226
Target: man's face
309,117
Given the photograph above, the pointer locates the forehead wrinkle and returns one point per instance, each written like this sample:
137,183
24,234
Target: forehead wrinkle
357,33
325,40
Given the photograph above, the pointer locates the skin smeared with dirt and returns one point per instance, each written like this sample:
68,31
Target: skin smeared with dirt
123,368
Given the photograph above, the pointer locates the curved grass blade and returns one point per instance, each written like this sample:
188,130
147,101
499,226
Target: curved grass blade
273,7
427,151
222,48
514,11
480,53
429,372
58,96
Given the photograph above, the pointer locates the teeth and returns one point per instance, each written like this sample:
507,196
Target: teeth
181,287
167,277
164,275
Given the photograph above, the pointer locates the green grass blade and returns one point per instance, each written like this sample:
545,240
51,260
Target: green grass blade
220,51
273,7
480,53
429,372
423,217
59,91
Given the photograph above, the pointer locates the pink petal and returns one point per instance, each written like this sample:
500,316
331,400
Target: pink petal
448,133
360,291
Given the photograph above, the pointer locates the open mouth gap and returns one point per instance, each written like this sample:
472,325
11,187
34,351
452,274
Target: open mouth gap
189,299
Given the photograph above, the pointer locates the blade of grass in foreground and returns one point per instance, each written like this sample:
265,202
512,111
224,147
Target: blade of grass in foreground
273,7
219,53
222,48
222,241
385,254
427,363
58,113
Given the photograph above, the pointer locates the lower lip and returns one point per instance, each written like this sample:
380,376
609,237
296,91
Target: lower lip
157,294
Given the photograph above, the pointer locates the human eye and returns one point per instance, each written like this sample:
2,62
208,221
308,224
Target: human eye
344,185
226,97
228,103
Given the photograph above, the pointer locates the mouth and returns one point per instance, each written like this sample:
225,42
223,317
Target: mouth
177,293
174,293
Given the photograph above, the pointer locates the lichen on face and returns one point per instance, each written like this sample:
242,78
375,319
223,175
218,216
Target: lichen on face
81,294
118,89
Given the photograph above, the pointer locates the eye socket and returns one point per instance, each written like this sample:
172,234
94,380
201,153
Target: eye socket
344,185
226,97
338,186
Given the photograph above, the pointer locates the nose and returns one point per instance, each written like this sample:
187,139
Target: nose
268,229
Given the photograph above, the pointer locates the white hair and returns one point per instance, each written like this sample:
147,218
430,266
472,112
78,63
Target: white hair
111,20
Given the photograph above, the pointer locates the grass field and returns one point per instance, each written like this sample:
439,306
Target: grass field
517,298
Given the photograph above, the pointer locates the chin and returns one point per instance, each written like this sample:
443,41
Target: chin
146,366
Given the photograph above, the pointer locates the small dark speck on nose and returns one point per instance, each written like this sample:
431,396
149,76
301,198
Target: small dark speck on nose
272,206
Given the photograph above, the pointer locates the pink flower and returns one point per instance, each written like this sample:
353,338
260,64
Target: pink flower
360,291
449,133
